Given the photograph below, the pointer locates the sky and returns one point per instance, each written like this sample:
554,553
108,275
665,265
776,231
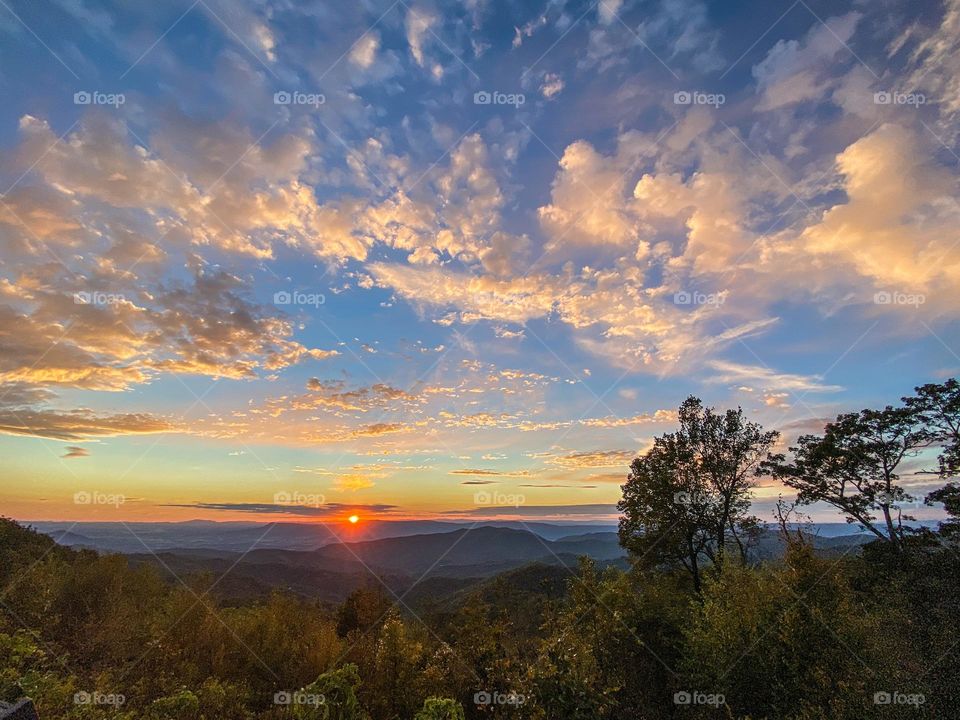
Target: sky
413,259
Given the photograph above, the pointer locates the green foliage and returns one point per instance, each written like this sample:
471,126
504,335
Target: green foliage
435,708
338,691
184,705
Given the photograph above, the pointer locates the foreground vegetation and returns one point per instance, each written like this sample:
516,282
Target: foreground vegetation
696,629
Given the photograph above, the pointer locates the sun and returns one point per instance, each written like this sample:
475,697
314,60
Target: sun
354,519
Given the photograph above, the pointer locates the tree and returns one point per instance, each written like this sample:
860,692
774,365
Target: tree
786,640
939,408
395,669
687,499
853,467
338,690
440,709
939,405
363,609
949,495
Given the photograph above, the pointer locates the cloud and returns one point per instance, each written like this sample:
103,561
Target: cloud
618,478
74,452
333,394
586,201
936,62
494,473
480,297
552,85
895,227
768,379
594,459
364,51
27,410
321,511
558,511
102,335
211,183
796,71
378,429
353,482
683,29
659,416
608,9
418,23
79,424
252,31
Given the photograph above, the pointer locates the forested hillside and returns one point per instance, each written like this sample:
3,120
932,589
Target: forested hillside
697,627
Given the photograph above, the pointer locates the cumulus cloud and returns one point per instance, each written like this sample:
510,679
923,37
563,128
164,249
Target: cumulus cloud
214,184
896,227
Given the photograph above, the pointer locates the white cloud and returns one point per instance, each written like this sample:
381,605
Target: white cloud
364,52
419,21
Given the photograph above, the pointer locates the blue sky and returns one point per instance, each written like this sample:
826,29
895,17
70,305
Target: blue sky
391,255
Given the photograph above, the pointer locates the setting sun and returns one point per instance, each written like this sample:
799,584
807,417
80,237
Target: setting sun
354,519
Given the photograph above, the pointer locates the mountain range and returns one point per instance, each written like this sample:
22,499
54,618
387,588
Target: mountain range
418,560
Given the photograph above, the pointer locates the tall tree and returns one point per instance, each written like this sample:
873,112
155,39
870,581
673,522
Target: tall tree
854,467
938,405
688,498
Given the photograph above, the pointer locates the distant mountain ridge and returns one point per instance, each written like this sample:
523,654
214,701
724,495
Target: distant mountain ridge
244,536
429,560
